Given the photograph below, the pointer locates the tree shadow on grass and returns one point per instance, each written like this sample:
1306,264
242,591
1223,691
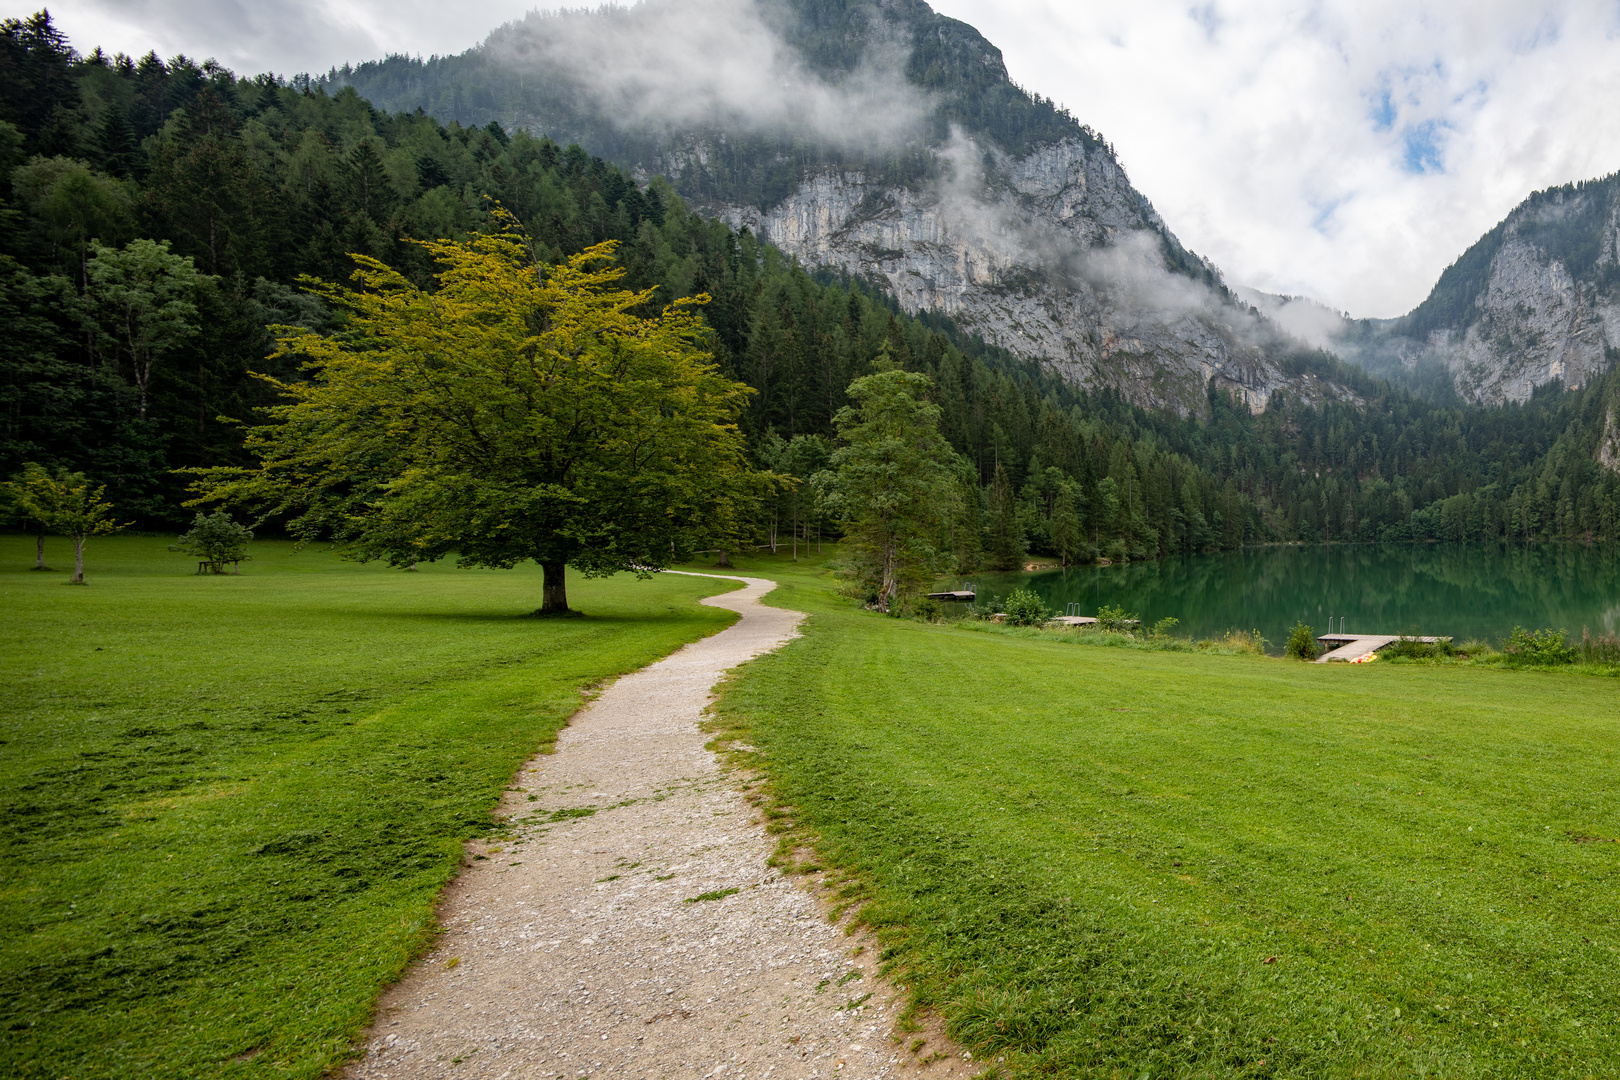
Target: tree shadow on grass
573,618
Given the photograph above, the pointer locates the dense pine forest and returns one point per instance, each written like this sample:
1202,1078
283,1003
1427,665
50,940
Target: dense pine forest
158,215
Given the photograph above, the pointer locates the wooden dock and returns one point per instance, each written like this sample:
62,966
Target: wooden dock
958,597
1349,647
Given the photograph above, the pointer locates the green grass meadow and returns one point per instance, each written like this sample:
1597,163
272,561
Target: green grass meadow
1106,862
227,803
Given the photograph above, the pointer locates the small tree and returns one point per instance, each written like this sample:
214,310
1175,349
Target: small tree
889,481
215,539
1162,628
795,461
1064,528
1006,543
1302,644
66,503
30,493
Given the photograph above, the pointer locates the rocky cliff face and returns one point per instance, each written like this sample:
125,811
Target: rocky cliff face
1052,255
1534,301
880,138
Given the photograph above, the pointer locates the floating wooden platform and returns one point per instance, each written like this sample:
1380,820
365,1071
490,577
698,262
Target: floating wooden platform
1351,646
952,597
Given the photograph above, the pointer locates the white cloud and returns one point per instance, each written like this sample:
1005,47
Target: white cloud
284,36
1345,149
1342,149
680,63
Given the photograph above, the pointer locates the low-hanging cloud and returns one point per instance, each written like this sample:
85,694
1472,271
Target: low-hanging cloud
1347,150
679,64
1127,266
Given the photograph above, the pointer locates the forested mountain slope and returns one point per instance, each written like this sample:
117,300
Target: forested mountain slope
887,141
252,182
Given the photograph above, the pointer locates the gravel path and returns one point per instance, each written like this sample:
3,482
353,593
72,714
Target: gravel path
634,929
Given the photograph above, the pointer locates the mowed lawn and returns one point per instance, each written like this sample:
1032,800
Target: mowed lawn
227,803
1100,862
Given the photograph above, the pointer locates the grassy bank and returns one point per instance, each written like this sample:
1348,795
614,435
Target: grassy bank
227,803
1125,862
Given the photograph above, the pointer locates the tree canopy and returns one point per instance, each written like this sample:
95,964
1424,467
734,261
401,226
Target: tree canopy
517,411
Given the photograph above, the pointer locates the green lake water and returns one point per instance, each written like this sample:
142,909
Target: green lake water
1463,590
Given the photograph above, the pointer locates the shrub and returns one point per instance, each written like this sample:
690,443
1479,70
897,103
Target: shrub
1410,648
1246,641
1234,643
1117,619
926,608
1025,608
1162,628
1302,644
1547,646
1599,648
215,539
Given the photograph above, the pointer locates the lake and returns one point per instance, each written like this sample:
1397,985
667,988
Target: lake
1463,590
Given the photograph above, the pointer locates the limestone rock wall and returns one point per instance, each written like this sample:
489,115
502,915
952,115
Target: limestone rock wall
1053,256
1533,322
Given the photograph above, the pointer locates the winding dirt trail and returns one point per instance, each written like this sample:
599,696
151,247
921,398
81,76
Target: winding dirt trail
635,929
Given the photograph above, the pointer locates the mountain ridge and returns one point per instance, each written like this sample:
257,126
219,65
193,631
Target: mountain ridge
1534,301
962,193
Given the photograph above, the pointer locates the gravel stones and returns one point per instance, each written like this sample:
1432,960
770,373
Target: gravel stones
632,928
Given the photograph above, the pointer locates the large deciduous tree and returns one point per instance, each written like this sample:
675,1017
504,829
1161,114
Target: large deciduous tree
519,411
141,306
890,482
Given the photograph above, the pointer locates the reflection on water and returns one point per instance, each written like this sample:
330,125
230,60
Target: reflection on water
1462,590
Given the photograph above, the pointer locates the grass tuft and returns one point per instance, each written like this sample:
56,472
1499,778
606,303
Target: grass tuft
717,894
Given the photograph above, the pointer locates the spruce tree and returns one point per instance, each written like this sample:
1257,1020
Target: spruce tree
1005,544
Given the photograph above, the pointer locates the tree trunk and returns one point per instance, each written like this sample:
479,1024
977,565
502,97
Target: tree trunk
78,560
725,559
39,552
890,585
554,591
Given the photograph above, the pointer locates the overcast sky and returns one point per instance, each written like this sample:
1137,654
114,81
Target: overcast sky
1342,149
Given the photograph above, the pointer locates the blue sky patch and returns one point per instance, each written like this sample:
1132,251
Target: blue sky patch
1383,110
1423,152
1324,212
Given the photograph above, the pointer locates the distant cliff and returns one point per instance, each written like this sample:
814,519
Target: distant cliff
1533,301
1052,255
